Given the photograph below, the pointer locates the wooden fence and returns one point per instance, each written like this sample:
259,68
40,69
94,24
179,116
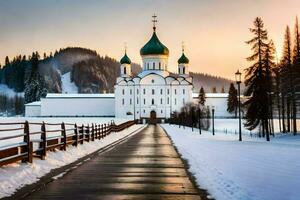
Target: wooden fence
51,136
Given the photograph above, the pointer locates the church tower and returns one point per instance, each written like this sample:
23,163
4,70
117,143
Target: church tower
183,65
154,53
125,66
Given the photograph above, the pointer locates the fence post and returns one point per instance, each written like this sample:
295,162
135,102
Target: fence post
101,131
93,132
105,130
88,133
27,140
83,134
64,135
76,134
44,141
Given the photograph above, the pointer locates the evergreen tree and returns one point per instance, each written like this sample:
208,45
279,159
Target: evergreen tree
34,85
214,89
223,89
287,76
296,69
232,101
7,60
201,97
256,81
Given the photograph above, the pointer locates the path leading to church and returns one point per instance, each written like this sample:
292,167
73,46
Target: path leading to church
146,166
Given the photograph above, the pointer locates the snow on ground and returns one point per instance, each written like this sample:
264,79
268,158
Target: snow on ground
252,169
66,84
15,176
8,91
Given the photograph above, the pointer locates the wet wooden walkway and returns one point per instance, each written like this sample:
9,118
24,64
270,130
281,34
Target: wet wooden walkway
145,167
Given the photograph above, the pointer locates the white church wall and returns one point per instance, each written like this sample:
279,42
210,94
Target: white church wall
78,105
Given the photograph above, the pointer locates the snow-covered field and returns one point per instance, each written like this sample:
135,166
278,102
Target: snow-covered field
14,176
252,169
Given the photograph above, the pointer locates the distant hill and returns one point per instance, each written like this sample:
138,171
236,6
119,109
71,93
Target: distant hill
208,82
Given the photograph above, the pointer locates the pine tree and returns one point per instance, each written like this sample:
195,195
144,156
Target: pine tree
7,61
201,97
232,101
223,89
34,85
296,69
256,79
287,76
214,89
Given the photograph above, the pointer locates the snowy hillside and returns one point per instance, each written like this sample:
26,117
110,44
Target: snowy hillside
68,86
8,91
249,170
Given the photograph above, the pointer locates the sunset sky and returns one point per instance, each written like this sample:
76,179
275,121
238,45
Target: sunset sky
214,32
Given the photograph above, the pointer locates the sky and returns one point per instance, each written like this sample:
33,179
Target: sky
213,31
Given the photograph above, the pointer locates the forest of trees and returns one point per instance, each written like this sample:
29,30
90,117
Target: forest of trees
273,87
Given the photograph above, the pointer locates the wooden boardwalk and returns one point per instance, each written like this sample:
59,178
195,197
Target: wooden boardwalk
145,167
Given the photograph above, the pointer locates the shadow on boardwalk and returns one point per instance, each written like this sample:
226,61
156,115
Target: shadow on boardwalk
147,166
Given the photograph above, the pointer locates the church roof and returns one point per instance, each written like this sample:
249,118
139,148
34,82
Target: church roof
125,59
154,47
183,59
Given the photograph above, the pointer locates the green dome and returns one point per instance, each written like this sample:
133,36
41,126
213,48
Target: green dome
183,59
154,47
125,60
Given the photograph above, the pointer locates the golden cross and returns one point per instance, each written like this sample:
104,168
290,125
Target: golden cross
154,20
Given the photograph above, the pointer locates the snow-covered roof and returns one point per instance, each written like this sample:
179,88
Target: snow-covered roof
59,95
35,103
212,95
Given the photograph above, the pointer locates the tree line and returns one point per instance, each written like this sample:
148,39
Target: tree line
272,84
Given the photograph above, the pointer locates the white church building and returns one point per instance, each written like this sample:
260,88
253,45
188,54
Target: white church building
154,93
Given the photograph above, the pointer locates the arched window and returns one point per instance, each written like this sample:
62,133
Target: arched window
153,65
130,91
137,91
144,91
175,91
168,100
153,92
159,64
147,65
123,101
152,101
124,70
175,102
130,101
144,101
168,91
161,101
161,111
123,91
183,70
183,101
161,91
137,100
183,91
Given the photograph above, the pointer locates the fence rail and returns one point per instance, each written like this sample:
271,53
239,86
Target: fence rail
52,136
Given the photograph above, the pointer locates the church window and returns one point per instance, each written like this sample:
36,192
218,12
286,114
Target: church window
137,91
144,91
123,101
159,64
183,101
152,101
161,101
175,101
153,91
144,111
130,91
130,100
124,70
161,111
144,101
183,70
161,91
123,91
152,81
154,65
147,65
175,91
168,100
137,100
168,91
183,91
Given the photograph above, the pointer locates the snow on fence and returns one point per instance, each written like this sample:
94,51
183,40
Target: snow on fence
22,142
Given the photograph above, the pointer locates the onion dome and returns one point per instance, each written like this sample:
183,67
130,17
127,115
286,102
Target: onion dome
125,59
183,59
154,47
